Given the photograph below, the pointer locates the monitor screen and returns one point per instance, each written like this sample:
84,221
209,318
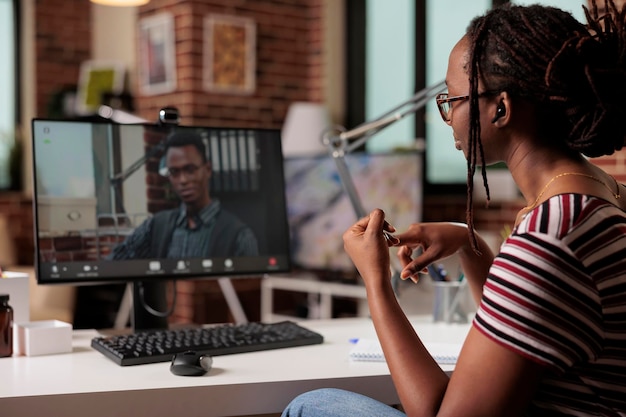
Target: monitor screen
113,204
320,211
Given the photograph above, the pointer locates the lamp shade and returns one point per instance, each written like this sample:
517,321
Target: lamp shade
121,3
303,128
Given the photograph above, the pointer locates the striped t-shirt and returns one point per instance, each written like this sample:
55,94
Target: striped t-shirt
556,294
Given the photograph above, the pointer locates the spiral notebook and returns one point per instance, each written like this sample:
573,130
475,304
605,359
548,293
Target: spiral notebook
369,350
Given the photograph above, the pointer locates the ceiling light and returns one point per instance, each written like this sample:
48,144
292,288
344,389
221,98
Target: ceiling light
121,3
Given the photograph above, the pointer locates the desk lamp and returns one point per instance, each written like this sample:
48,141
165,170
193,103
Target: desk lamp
300,131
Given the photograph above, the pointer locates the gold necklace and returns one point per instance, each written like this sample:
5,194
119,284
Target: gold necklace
617,195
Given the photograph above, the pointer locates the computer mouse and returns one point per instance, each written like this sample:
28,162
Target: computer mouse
190,363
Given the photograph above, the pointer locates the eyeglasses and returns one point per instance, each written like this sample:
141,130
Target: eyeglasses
444,103
188,170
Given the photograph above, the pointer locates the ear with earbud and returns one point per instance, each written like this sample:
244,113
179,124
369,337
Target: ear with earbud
500,112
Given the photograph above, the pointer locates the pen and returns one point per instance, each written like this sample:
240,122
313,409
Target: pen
442,272
434,273
388,236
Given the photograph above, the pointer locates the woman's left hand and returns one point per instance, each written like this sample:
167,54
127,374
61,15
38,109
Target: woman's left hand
368,247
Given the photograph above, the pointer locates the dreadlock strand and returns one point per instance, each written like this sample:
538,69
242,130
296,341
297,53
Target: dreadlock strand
474,129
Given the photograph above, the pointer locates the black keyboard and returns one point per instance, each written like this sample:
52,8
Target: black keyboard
160,345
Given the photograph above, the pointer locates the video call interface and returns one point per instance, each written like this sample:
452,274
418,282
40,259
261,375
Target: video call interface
98,185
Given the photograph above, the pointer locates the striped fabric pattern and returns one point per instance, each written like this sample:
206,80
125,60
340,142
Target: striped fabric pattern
556,294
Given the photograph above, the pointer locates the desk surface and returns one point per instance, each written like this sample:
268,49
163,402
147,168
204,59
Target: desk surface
86,383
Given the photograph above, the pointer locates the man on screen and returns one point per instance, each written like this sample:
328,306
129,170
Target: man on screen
200,227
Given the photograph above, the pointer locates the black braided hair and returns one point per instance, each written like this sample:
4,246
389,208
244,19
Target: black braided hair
574,75
184,138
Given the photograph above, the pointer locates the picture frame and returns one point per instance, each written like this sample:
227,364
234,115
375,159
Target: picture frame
157,54
229,54
95,79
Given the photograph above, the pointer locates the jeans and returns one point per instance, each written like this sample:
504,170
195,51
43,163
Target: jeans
332,402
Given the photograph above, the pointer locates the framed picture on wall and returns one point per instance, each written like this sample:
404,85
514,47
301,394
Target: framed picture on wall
229,54
157,54
97,78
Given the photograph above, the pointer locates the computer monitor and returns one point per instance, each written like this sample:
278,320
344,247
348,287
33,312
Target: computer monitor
320,211
100,188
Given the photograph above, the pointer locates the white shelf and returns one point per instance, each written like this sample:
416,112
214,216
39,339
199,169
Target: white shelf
311,285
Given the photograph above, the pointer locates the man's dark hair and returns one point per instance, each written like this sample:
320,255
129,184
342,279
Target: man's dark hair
185,138
574,75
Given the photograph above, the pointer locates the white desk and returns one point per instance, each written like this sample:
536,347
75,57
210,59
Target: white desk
86,383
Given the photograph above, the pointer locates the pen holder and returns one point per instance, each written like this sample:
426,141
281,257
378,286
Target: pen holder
447,305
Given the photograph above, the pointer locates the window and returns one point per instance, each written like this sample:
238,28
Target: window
390,68
395,49
574,7
446,22
8,87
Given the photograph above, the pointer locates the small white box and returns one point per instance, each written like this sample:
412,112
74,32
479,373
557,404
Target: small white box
44,337
63,214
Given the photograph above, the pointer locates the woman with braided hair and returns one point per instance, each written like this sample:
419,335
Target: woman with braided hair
536,89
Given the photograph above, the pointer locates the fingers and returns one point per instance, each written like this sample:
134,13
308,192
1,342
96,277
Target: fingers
377,219
407,238
413,267
360,226
391,239
363,221
388,227
405,255
375,224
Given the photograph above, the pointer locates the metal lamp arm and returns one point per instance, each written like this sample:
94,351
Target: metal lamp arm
338,146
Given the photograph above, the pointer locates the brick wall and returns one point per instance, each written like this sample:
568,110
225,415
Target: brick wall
288,62
76,247
17,211
63,42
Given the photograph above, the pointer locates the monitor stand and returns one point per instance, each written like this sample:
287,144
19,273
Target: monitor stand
155,295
